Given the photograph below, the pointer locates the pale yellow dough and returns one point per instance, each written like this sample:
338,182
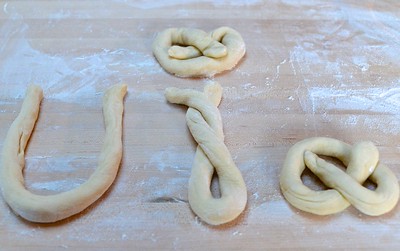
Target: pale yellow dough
194,53
204,122
362,161
51,208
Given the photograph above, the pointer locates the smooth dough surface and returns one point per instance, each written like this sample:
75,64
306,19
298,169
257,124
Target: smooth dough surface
204,121
51,208
194,53
362,161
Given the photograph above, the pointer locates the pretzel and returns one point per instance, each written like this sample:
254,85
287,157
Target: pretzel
194,53
51,208
204,122
362,161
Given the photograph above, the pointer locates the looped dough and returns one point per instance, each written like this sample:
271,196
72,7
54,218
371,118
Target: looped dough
362,161
51,208
204,122
193,53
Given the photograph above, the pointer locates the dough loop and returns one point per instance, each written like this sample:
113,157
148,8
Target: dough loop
51,208
193,53
362,161
204,122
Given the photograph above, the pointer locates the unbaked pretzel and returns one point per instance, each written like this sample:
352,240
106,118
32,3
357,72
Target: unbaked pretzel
204,122
51,208
362,161
192,52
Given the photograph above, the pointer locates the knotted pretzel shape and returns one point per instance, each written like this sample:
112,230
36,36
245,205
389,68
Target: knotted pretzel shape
362,161
204,122
194,53
51,208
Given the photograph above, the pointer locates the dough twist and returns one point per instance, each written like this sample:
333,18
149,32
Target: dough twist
192,52
362,161
51,208
204,122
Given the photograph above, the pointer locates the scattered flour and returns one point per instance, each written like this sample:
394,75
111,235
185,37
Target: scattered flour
66,163
5,7
90,73
168,159
57,185
313,53
164,4
377,100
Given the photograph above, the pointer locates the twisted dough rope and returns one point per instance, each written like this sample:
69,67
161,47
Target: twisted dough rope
51,208
362,161
193,53
204,122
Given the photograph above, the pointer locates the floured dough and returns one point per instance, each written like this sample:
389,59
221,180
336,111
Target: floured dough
204,122
362,161
193,53
51,208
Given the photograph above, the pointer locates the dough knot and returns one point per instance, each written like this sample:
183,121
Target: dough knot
192,52
346,187
204,122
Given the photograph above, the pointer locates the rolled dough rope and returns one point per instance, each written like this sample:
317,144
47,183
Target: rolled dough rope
194,53
362,161
204,122
51,208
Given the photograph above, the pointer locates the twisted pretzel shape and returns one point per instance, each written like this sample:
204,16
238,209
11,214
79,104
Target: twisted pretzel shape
362,161
204,122
51,208
193,53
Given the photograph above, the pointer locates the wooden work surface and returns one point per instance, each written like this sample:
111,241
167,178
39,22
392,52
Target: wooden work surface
319,68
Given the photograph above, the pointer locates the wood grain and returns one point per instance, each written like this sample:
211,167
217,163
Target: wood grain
312,69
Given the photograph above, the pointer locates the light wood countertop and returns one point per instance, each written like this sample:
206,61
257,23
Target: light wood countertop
315,68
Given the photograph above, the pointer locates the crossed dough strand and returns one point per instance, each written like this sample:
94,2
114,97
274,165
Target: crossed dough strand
51,208
362,161
194,53
204,122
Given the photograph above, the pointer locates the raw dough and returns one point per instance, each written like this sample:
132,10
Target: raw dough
51,208
193,53
204,122
362,161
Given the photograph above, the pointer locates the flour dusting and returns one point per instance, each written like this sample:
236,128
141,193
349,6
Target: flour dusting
165,4
377,100
332,65
90,73
64,164
57,185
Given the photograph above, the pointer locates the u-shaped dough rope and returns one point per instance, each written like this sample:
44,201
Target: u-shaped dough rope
194,53
51,208
204,122
362,161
